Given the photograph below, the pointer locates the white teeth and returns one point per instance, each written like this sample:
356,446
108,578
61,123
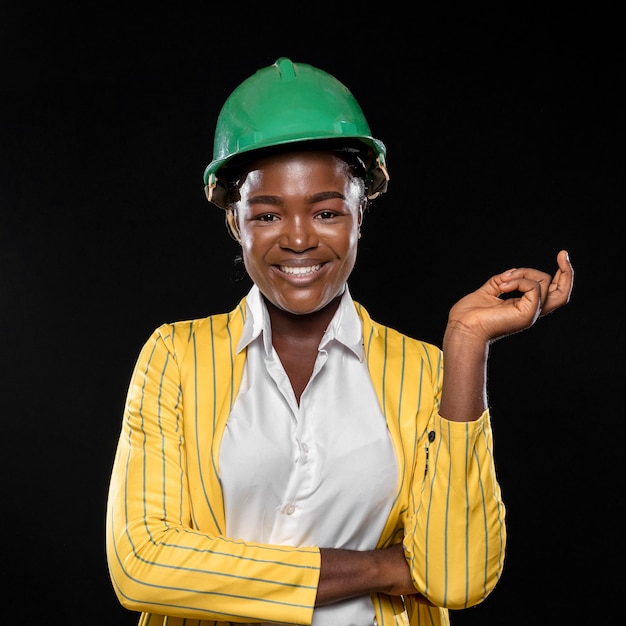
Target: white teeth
300,270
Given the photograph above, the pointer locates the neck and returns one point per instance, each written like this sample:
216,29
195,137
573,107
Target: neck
310,325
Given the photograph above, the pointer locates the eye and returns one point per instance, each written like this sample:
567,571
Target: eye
327,215
266,217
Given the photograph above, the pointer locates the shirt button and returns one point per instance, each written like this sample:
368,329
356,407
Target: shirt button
431,436
305,448
289,509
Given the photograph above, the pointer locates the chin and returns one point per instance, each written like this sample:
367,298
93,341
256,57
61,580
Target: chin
309,307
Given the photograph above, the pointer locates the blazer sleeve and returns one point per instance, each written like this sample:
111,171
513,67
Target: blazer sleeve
455,540
162,558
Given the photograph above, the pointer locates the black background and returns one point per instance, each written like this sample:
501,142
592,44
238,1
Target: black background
505,144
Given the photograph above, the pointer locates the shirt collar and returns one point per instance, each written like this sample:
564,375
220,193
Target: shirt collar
345,327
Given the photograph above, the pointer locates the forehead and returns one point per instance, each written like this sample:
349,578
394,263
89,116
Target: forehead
301,170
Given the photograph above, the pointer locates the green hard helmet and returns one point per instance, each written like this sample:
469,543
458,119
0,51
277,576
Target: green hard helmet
288,103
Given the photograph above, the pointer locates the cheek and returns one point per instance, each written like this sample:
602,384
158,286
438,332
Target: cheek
253,246
352,239
247,248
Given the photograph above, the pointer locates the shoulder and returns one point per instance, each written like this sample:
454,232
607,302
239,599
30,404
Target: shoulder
391,339
181,334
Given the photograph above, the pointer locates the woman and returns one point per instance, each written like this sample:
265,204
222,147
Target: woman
294,461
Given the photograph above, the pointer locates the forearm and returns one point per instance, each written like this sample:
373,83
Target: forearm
159,562
464,392
349,573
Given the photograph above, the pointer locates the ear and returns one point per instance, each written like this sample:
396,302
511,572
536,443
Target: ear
231,222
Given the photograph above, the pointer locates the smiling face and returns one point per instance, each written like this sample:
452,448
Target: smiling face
298,217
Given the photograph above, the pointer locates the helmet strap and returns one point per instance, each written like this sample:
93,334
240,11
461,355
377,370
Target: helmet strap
210,186
380,178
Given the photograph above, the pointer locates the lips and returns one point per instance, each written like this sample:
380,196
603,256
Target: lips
300,271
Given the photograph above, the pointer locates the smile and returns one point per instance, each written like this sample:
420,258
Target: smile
300,271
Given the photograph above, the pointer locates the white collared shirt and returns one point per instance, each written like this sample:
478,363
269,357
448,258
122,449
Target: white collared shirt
322,473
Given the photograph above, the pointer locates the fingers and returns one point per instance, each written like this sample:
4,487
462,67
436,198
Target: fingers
532,290
553,292
560,288
563,281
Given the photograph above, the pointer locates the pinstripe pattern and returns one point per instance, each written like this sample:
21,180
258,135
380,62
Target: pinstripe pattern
165,516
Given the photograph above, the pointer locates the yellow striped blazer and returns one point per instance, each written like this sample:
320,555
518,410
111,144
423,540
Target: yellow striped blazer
167,552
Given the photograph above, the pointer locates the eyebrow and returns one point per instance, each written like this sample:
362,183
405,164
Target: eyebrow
316,197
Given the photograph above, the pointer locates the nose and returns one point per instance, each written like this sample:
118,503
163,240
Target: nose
298,234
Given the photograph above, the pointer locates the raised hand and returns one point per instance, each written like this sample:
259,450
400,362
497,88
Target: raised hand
512,301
